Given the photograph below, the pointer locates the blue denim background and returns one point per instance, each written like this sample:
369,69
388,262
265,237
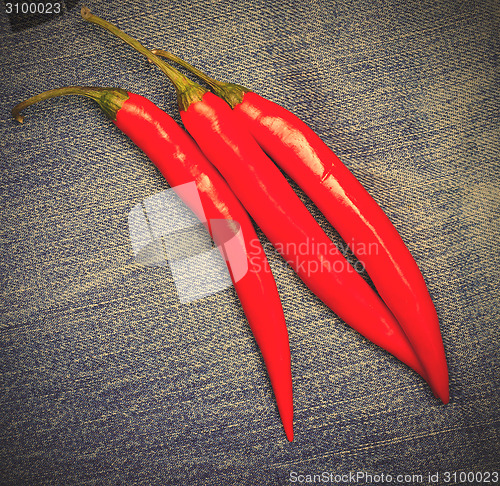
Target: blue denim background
107,379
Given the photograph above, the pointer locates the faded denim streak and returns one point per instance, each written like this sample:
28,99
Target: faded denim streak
107,378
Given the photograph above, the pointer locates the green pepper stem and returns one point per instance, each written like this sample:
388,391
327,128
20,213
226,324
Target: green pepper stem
232,93
187,91
109,99
213,83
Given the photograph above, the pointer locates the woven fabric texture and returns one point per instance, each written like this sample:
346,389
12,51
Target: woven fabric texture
107,378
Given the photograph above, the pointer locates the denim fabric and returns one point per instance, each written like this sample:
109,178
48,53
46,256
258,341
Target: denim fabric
107,378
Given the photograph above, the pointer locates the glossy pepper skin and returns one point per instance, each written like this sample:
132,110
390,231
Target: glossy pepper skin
181,162
360,221
289,226
275,207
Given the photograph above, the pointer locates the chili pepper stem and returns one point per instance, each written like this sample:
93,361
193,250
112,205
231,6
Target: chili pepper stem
187,91
230,92
109,99
213,83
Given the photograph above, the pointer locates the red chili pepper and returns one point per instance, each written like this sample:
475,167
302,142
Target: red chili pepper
276,208
179,159
360,221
